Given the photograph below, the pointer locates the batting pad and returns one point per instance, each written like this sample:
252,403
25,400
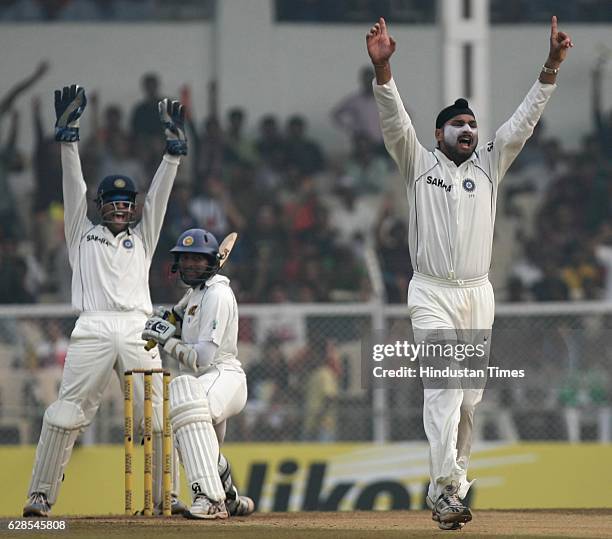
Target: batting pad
61,425
195,436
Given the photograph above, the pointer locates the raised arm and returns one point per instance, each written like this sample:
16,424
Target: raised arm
172,115
70,102
7,100
512,135
398,133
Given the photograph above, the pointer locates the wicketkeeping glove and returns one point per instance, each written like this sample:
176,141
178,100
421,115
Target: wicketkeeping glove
158,330
70,103
172,115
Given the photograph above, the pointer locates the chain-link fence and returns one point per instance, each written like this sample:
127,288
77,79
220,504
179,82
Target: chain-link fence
304,371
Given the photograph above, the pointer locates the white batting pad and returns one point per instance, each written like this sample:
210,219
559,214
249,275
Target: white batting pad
195,436
61,425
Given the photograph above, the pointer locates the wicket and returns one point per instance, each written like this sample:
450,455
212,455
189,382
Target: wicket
148,441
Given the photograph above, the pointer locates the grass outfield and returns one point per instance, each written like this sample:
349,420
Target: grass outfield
344,525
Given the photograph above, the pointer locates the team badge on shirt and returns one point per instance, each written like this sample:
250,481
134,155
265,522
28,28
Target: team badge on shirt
469,185
192,310
128,243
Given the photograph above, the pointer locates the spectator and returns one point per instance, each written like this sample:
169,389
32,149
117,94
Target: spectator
357,112
270,139
366,169
321,392
301,152
551,287
239,149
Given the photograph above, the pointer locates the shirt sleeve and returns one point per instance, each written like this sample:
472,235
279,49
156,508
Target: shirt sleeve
398,132
156,202
217,309
75,197
512,135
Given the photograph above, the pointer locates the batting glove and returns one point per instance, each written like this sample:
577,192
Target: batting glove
172,115
158,330
170,315
70,102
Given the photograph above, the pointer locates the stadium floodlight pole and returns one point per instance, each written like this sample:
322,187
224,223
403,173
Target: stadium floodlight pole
380,419
464,55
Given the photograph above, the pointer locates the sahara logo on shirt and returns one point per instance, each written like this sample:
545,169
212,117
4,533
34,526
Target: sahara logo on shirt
93,237
439,183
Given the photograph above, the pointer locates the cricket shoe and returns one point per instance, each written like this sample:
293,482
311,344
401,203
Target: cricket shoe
205,508
241,506
37,506
448,510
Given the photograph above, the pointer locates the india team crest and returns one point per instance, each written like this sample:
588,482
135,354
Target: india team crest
469,185
128,243
119,183
187,241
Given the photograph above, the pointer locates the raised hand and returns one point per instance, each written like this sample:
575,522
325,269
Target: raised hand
172,115
560,42
380,44
70,102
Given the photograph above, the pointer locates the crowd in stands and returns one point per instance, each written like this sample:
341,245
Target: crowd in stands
305,218
563,202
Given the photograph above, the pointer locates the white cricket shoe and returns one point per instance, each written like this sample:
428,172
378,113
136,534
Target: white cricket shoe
37,506
205,508
241,506
448,510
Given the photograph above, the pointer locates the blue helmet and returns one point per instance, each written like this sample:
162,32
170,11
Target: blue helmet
200,241
114,189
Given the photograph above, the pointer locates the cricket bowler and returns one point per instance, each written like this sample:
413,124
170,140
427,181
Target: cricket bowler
452,192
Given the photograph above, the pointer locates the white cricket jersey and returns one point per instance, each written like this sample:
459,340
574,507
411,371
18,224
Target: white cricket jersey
212,315
452,208
111,273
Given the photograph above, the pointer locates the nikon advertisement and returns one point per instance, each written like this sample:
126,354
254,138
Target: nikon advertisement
330,477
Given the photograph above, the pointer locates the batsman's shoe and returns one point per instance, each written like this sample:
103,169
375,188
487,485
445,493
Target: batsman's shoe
449,509
178,507
37,506
205,508
241,506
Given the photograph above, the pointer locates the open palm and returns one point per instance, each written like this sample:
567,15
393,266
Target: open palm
380,44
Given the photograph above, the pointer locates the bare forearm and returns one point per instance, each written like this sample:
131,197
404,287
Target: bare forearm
383,73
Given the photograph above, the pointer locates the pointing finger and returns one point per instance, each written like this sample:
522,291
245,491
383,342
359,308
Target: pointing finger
553,26
383,26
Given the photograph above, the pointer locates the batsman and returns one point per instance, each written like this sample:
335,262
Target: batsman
110,264
452,192
201,334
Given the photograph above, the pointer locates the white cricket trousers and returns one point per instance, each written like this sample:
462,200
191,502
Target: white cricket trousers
461,307
101,342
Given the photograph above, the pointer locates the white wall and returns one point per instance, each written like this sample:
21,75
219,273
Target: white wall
107,58
290,67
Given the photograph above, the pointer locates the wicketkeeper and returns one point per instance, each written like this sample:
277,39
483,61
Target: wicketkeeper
212,386
452,193
110,288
